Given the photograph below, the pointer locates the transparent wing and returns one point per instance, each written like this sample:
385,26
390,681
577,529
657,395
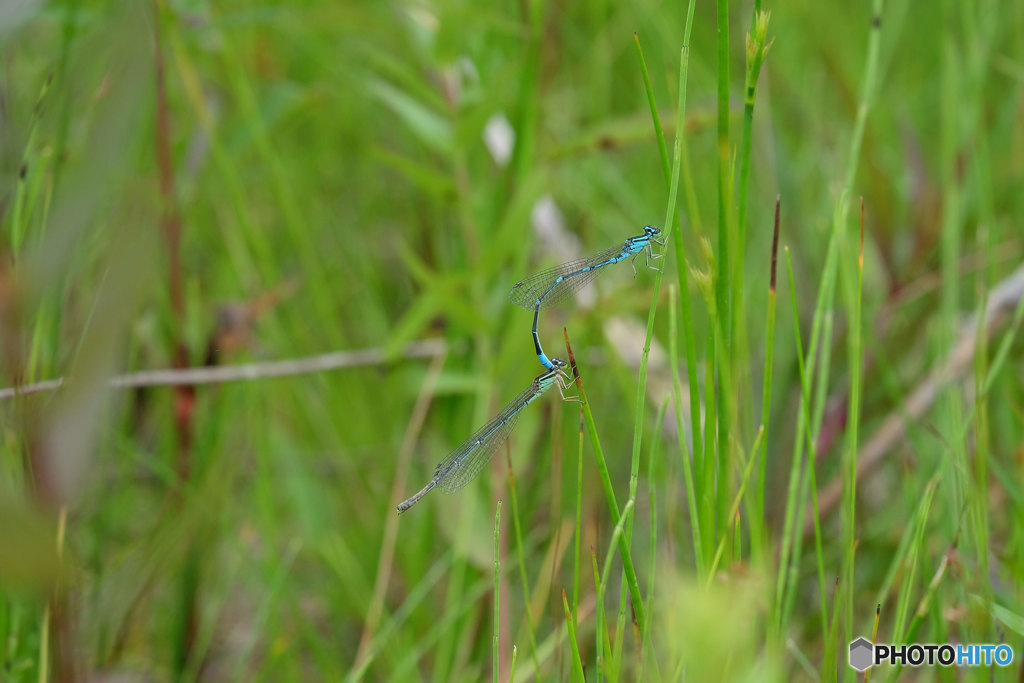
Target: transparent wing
526,292
466,461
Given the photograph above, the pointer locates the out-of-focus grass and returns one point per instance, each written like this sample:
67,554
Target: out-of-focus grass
335,187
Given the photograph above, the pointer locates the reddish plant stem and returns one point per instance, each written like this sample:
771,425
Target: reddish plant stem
171,227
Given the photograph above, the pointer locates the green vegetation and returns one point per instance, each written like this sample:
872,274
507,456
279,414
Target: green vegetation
792,441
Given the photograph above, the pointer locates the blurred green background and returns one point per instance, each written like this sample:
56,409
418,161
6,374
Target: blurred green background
194,183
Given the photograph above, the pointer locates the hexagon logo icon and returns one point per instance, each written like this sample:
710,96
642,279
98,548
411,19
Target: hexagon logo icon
861,654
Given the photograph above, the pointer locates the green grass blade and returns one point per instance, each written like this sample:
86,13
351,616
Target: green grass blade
497,591
609,492
577,662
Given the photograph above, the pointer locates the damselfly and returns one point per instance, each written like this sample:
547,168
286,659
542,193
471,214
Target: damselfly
466,461
552,286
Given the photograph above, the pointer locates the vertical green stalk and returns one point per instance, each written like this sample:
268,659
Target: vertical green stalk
18,223
981,39
579,526
620,629
601,633
811,450
978,512
670,213
829,670
852,430
528,97
907,589
722,285
874,638
681,264
688,477
603,585
70,26
756,51
609,491
786,571
808,427
45,627
957,468
497,591
852,292
766,395
978,22
725,268
821,337
735,507
521,556
577,662
737,540
757,48
867,95
706,476
670,220
652,557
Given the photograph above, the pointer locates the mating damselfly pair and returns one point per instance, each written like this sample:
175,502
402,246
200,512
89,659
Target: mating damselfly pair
546,288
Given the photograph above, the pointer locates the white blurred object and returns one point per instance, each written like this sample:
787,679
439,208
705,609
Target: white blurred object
470,75
17,13
500,139
457,78
626,336
423,22
549,225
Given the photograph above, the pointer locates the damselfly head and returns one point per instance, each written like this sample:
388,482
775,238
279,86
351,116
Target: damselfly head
558,363
651,231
